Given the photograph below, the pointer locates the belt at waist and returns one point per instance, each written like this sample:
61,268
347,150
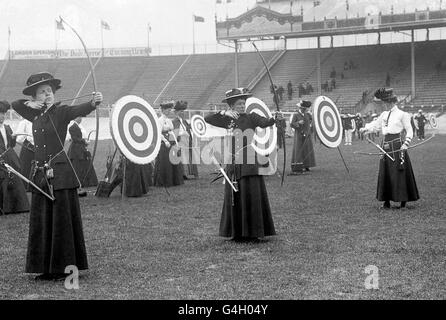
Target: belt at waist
392,136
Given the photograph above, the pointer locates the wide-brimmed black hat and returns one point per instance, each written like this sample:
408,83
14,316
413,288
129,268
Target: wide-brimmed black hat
236,93
385,95
180,105
4,106
167,104
38,79
304,104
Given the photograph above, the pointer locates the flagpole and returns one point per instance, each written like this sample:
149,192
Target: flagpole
193,34
102,38
9,43
148,39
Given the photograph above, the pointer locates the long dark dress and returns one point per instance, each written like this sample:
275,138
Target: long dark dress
303,151
188,150
13,197
246,213
138,178
81,158
168,174
56,238
396,182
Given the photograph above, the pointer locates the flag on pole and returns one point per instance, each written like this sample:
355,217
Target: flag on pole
9,30
105,25
198,19
59,25
149,27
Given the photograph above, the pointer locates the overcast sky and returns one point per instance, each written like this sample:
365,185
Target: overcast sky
32,22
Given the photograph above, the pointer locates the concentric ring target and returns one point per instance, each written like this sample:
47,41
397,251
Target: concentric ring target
264,140
135,130
198,125
327,122
433,121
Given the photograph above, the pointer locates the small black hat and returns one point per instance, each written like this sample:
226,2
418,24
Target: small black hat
180,105
38,79
304,104
4,106
167,104
236,93
385,95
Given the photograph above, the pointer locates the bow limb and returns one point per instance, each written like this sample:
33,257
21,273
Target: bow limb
408,148
276,102
93,76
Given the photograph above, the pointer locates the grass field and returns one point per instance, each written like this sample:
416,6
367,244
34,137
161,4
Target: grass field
329,229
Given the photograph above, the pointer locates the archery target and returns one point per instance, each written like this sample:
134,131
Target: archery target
433,121
327,122
198,125
135,129
265,139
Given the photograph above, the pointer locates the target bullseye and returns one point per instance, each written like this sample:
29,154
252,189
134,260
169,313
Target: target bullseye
265,140
135,129
327,122
198,125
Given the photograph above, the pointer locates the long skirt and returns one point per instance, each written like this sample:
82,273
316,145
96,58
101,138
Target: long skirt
247,213
396,180
166,173
303,153
56,239
138,178
13,198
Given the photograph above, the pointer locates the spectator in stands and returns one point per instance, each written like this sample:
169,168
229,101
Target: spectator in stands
364,96
325,86
308,88
333,83
333,73
351,65
421,121
438,66
280,91
301,89
388,80
290,90
346,65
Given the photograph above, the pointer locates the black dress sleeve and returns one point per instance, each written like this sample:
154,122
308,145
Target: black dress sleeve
218,120
72,112
260,121
25,111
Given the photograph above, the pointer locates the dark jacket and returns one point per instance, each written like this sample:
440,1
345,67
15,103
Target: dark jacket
305,128
10,157
47,144
238,168
11,140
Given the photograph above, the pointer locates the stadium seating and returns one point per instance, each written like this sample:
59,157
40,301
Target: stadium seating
203,79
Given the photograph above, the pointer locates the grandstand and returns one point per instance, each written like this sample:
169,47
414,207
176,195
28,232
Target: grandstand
202,79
